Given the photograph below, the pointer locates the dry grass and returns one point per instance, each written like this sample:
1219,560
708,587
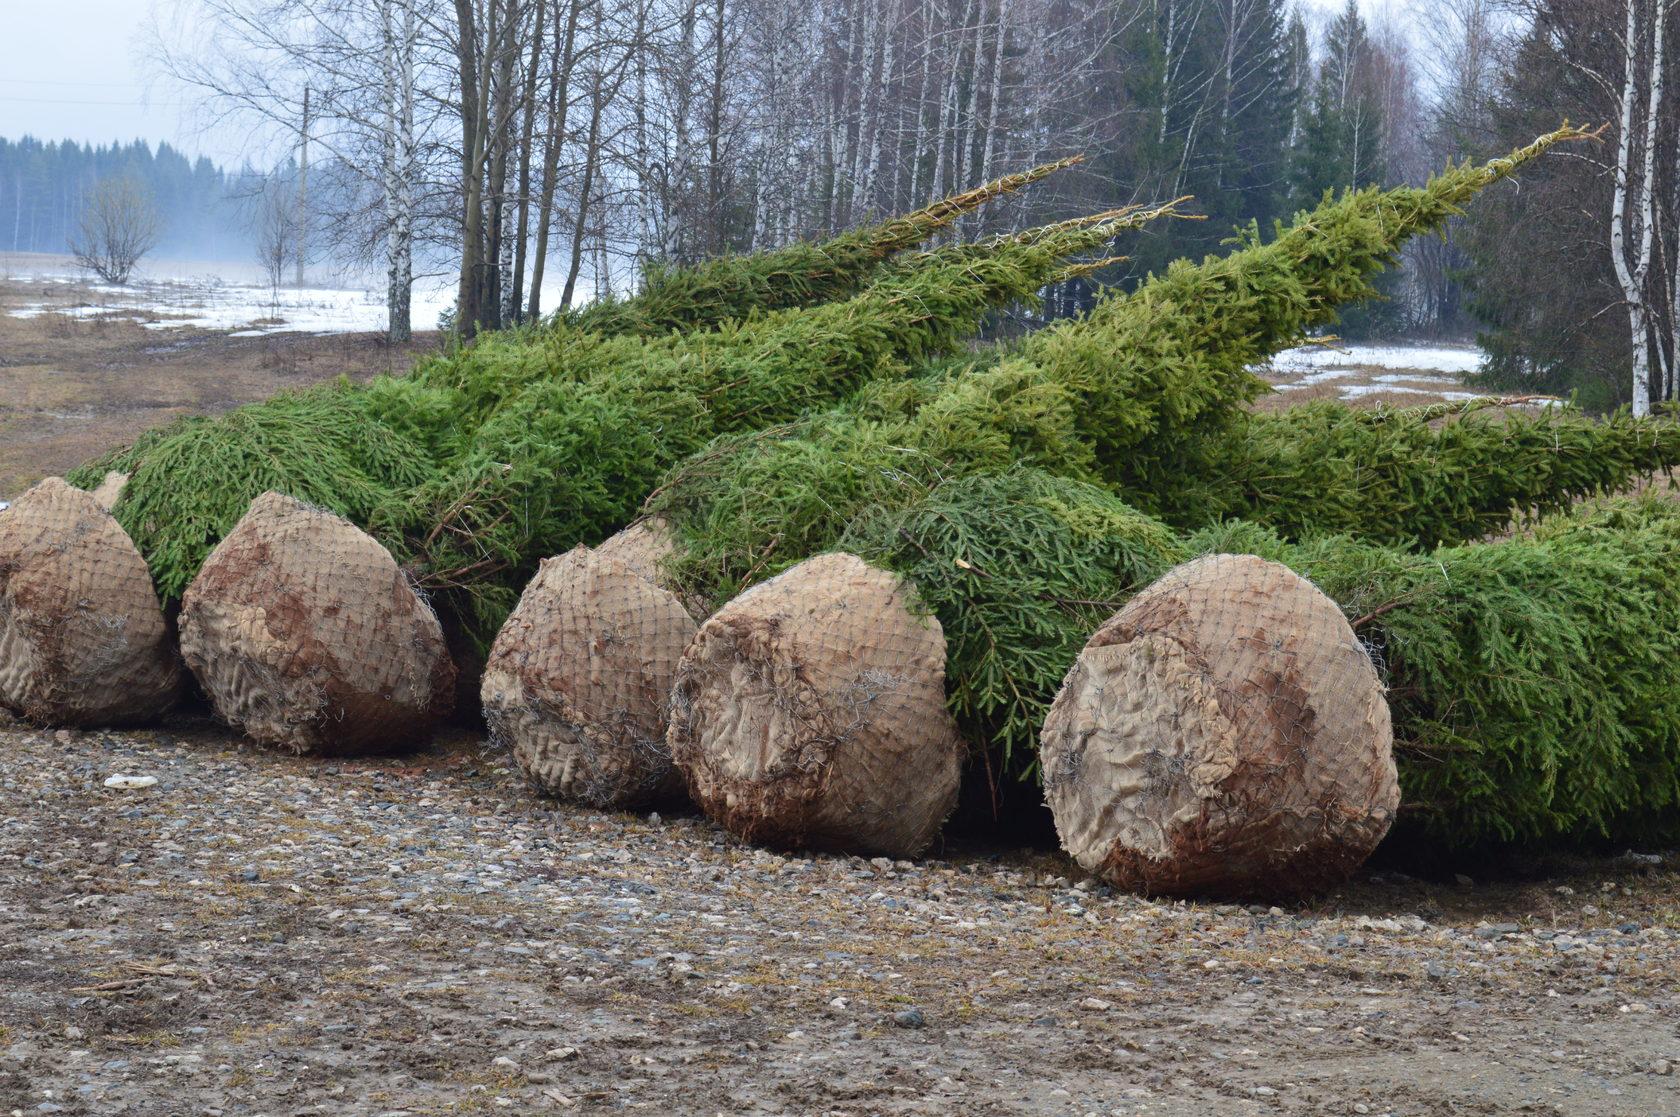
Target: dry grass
72,387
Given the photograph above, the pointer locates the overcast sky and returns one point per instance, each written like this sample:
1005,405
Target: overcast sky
74,70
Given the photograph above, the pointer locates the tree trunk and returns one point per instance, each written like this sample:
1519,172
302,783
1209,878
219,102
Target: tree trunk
1634,275
474,99
559,102
591,158
522,222
397,26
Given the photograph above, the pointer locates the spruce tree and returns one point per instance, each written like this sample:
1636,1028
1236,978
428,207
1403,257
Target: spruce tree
1340,145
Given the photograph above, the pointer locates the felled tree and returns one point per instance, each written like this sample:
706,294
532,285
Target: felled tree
802,274
1144,395
1532,681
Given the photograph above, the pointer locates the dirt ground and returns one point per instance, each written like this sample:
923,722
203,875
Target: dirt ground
73,387
260,934
257,934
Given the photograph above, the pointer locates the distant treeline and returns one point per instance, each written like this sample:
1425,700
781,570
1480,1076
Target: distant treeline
201,207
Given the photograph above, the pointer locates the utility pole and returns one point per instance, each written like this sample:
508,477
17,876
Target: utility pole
303,191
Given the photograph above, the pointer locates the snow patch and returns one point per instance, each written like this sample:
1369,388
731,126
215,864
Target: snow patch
1455,359
249,310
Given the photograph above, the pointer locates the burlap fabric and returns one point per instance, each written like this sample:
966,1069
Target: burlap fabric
579,681
83,641
810,712
1223,733
305,634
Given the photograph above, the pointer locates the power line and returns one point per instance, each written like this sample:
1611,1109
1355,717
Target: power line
63,81
68,101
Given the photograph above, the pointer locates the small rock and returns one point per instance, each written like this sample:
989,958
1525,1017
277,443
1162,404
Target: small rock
1662,1066
562,1053
131,783
910,1018
503,1062
1096,1004
73,1032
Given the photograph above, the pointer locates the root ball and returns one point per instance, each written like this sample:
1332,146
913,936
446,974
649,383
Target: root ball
810,712
305,634
1223,733
579,681
83,641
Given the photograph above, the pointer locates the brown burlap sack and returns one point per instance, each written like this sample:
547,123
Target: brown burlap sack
110,490
82,639
810,712
643,547
1223,733
306,635
579,680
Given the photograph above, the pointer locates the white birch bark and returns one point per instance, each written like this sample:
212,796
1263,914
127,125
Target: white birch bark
1633,274
398,35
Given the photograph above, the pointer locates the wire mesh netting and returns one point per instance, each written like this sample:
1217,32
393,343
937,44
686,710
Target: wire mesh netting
579,679
1225,731
305,634
82,638
810,711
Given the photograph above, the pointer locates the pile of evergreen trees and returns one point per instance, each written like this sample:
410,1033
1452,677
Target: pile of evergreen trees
488,459
822,399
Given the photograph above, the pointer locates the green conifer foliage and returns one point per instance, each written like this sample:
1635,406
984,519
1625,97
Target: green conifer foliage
1174,355
480,465
733,287
1020,567
568,460
189,483
1145,395
1430,475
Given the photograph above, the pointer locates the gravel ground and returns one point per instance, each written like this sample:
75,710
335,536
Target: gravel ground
259,934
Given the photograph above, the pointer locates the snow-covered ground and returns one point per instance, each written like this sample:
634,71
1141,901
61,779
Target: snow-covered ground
243,309
1355,371
1325,360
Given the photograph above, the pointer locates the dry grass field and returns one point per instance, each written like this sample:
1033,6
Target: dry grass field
77,379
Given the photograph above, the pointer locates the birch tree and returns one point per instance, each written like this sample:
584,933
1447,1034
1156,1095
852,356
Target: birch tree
1633,218
357,62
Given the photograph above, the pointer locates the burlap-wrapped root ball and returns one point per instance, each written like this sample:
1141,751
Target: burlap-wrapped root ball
643,547
83,641
1224,733
110,490
810,712
580,678
305,634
